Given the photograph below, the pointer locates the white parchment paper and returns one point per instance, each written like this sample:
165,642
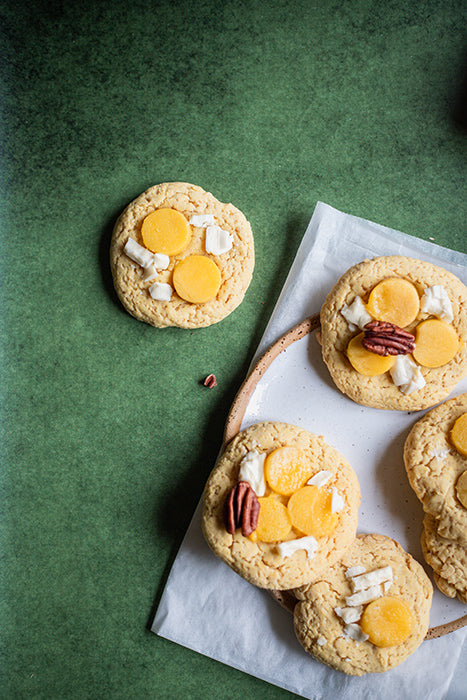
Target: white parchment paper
210,609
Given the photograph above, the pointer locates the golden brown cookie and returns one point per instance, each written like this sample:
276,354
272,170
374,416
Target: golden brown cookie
179,257
367,612
280,505
428,307
448,560
435,467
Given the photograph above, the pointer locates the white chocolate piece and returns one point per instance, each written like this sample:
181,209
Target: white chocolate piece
309,544
354,571
366,596
355,632
435,301
406,375
217,241
349,614
337,502
372,578
356,314
202,220
161,291
252,471
138,253
320,478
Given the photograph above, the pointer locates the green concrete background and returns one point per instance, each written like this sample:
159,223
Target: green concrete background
107,435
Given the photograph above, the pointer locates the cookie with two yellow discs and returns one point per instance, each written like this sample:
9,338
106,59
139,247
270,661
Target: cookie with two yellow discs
422,299
436,464
308,497
368,611
194,256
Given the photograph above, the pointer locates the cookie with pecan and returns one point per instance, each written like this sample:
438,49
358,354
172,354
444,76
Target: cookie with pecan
280,505
394,332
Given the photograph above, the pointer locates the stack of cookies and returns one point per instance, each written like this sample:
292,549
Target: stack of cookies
435,456
280,507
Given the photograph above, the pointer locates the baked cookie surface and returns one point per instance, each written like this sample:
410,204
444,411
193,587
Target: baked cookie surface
217,251
419,298
276,554
330,620
435,467
447,559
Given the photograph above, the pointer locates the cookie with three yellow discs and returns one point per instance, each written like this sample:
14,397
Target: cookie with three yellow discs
435,468
278,554
368,611
405,292
448,560
180,257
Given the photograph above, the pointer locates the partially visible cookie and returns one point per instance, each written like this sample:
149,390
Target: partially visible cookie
426,304
280,505
447,559
435,467
179,257
367,612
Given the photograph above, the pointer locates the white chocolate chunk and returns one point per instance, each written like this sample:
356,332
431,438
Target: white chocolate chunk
439,455
252,471
321,641
202,220
355,632
337,502
372,578
161,291
138,253
386,586
350,614
366,596
406,375
356,314
354,571
435,301
217,241
320,478
309,544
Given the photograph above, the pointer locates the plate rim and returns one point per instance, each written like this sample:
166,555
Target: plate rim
234,420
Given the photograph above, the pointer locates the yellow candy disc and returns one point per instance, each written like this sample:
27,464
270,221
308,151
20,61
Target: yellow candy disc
459,434
287,469
273,521
310,511
197,279
436,343
365,362
395,300
387,621
166,231
461,488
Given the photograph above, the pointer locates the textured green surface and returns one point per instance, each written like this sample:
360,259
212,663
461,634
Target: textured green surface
107,435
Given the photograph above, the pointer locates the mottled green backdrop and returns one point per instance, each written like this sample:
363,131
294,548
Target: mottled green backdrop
107,434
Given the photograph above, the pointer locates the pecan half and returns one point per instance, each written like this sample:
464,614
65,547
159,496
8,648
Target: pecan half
242,509
384,338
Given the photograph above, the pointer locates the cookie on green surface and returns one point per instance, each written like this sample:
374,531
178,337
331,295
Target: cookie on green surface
436,467
367,612
280,505
179,257
448,560
414,350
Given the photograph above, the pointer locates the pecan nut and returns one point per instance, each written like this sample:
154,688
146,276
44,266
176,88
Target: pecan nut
242,509
384,338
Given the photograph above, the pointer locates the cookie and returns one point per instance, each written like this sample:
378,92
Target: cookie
179,257
435,467
280,505
447,559
415,351
368,612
